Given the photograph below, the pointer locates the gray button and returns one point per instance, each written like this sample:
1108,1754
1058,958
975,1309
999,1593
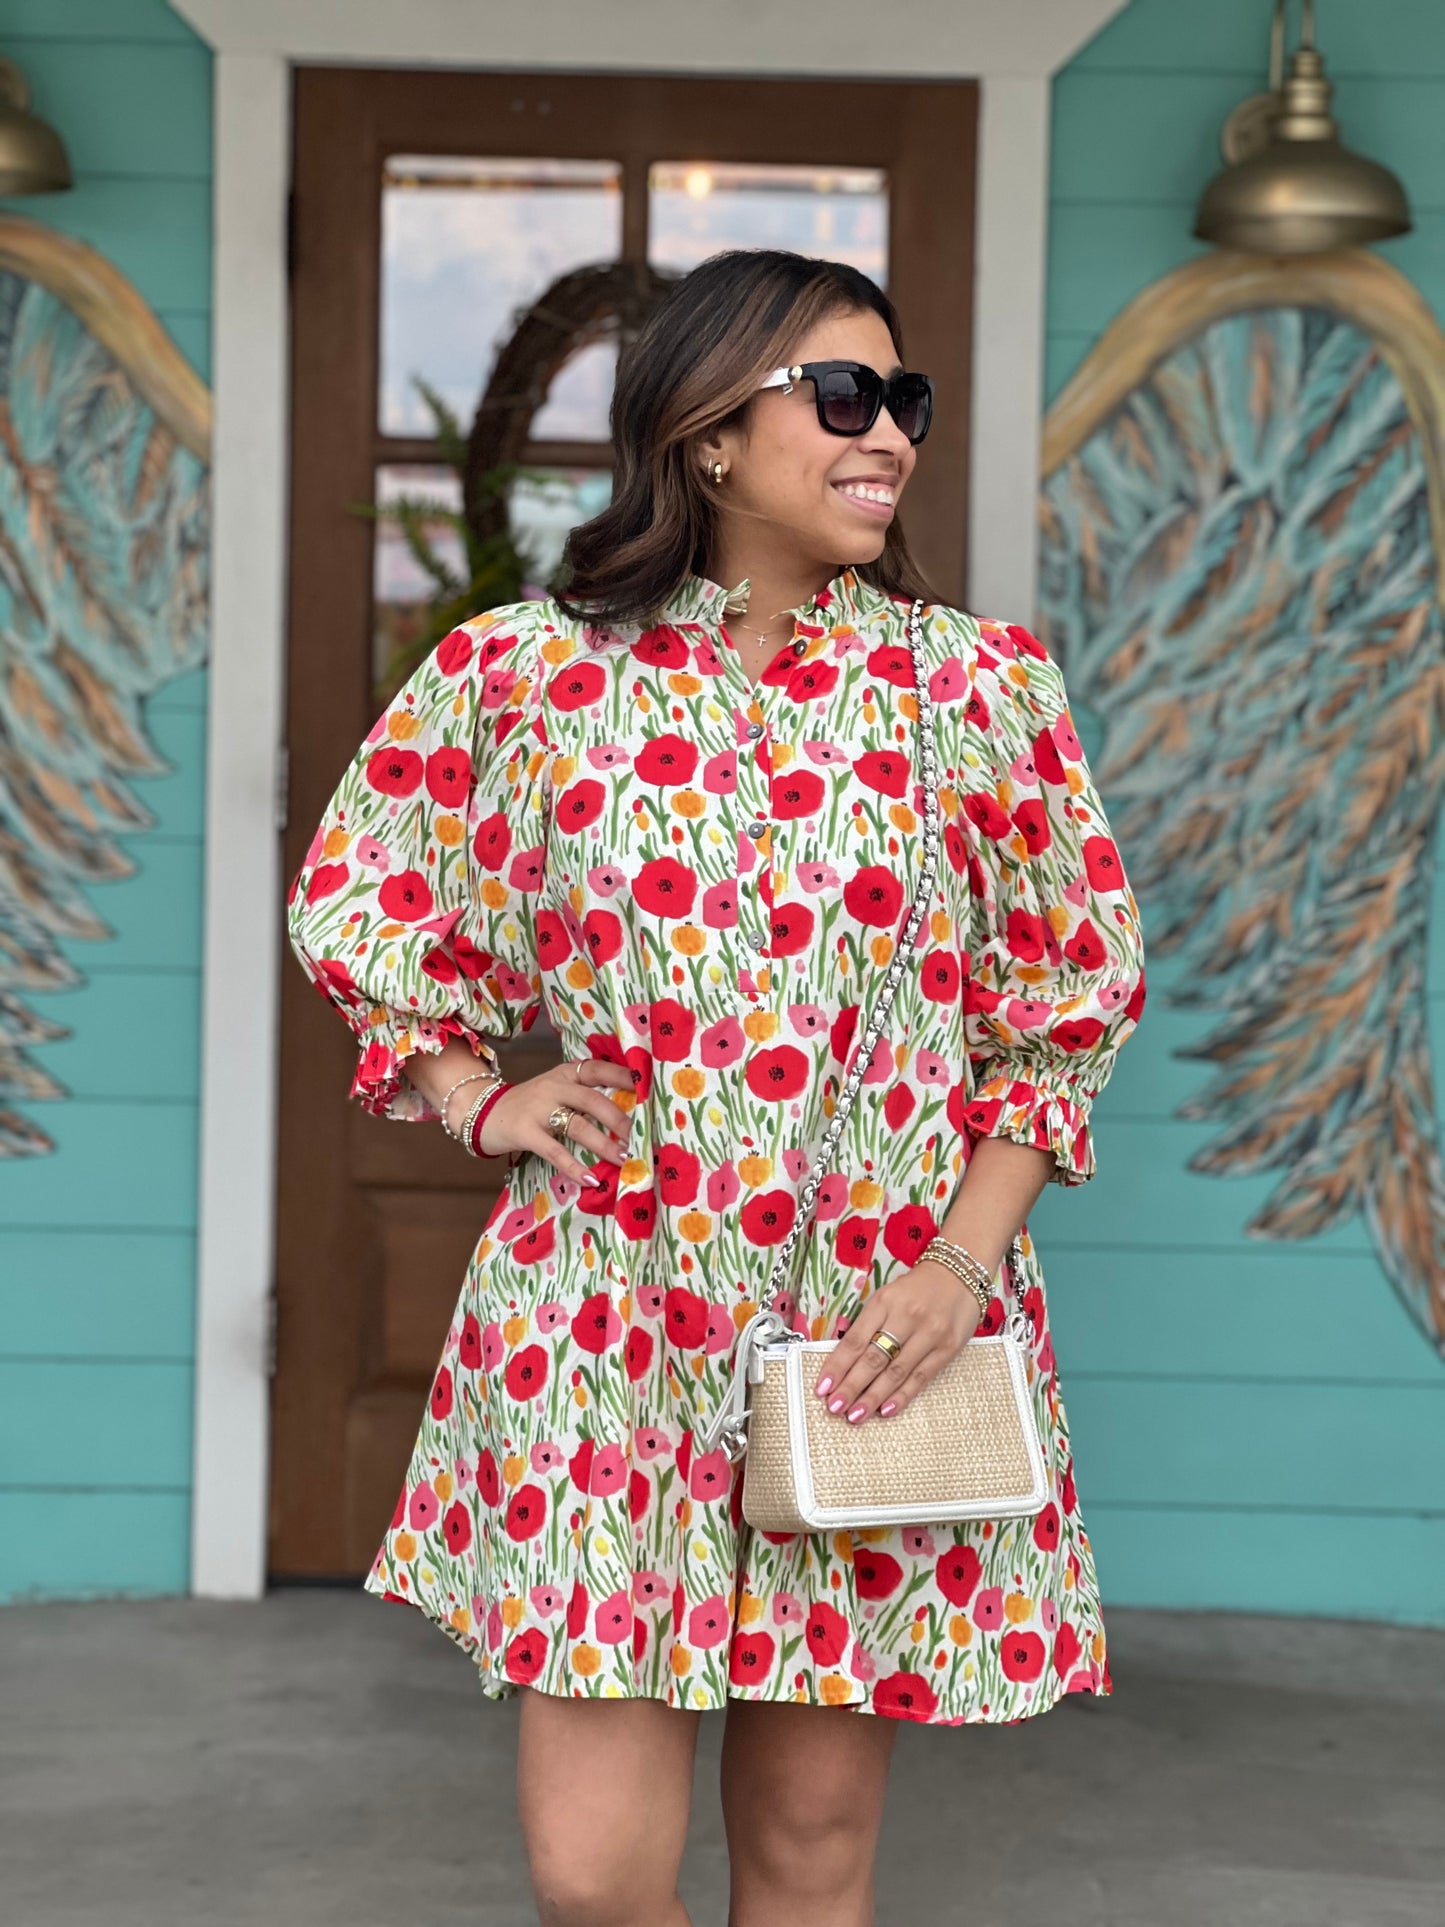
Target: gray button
758,940
754,731
799,647
756,830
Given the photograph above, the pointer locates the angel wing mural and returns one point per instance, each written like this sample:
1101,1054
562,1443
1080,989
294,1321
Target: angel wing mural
104,541
1242,513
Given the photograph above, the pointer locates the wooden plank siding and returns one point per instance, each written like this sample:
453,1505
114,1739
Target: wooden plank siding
1257,1426
98,1242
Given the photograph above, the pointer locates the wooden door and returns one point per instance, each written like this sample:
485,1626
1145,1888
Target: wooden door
376,1220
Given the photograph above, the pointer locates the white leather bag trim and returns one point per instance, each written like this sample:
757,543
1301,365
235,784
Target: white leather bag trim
826,1518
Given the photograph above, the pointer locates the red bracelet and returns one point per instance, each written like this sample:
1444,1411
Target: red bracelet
474,1136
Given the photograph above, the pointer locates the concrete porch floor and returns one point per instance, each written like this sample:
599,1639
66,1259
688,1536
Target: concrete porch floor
322,1757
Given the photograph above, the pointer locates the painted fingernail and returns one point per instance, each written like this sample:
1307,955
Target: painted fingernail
823,1387
856,1413
591,1177
835,1405
889,1405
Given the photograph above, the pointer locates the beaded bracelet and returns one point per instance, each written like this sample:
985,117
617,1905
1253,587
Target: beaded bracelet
478,1116
464,1134
473,1077
963,1265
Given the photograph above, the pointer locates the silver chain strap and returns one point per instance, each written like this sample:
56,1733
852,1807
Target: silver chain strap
893,976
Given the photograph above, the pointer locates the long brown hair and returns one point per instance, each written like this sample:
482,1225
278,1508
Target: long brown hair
695,365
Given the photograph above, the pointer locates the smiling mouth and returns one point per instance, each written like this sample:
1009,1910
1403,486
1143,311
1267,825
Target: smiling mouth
869,495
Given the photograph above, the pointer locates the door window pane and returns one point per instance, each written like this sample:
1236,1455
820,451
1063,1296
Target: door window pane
544,505
579,399
400,585
698,207
467,244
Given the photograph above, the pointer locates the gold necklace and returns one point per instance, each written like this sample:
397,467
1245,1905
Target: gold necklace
762,634
737,607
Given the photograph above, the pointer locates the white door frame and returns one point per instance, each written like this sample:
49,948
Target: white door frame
1012,50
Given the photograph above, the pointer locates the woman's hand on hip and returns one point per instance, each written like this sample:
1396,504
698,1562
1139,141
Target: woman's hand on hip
931,1313
518,1119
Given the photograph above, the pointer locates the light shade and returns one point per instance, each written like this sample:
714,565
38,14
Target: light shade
32,156
1301,192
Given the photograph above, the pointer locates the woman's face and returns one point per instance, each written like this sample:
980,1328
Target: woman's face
829,497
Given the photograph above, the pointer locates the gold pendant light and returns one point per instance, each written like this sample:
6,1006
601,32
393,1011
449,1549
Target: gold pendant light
1290,186
32,156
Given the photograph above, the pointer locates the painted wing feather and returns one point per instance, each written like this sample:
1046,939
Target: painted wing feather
103,545
1239,580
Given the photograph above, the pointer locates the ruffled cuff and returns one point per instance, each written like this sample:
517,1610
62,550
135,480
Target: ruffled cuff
1044,1117
387,1038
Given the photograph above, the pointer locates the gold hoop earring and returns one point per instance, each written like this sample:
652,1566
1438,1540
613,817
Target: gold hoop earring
717,473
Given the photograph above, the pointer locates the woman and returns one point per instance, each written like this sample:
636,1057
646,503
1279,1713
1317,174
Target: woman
677,809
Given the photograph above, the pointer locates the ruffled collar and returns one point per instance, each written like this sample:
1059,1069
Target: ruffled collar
847,598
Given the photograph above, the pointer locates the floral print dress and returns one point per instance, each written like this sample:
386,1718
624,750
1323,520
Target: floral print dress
703,879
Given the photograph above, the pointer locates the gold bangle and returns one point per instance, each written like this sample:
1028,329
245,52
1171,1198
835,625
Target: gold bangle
941,1248
964,1266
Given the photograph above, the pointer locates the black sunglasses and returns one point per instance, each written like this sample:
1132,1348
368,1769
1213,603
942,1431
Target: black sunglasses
849,395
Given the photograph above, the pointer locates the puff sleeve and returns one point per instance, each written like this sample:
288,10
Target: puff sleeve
415,909
1056,972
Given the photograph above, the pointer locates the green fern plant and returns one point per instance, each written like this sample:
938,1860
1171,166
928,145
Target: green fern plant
496,569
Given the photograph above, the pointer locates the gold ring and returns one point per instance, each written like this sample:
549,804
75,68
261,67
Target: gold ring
561,1116
887,1344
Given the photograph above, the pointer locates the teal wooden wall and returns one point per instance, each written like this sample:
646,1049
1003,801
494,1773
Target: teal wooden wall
97,1242
1291,1462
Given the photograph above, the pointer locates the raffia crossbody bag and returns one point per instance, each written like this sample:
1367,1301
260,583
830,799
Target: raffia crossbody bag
967,1447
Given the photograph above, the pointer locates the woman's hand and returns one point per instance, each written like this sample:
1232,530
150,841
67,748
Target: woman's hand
518,1119
930,1311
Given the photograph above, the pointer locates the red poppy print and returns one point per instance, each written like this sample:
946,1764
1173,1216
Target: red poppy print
667,760
665,888
874,896
578,685
686,1317
489,1479
597,1326
957,1573
798,792
454,652
905,1696
457,1528
877,1574
827,1632
1021,1655
406,896
548,830
326,880
526,1373
525,1656
752,1658
526,1512
441,1394
448,776
394,771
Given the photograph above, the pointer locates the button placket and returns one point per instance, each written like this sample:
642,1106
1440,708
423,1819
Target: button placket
754,797
755,813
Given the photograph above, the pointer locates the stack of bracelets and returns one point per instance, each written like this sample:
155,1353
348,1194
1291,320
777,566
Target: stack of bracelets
470,1135
963,1265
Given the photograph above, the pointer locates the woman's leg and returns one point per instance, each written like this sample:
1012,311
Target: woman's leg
803,1790
603,1790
